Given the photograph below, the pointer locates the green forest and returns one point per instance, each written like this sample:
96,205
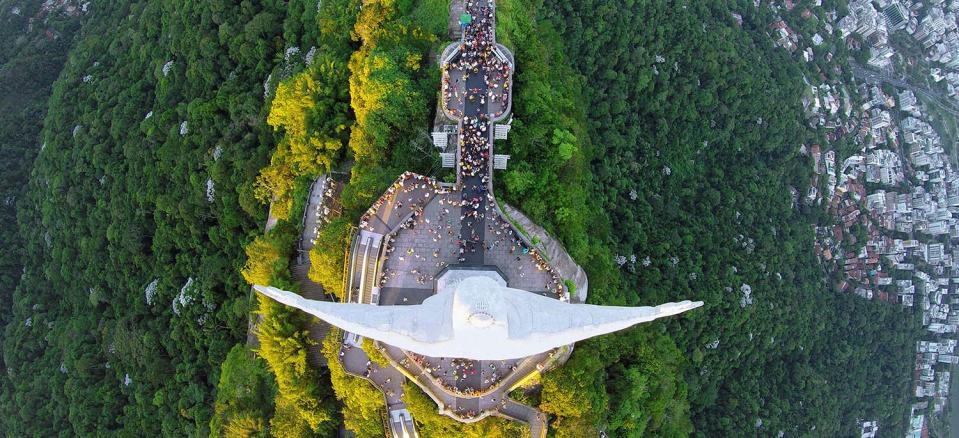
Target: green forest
143,144
138,206
696,146
30,61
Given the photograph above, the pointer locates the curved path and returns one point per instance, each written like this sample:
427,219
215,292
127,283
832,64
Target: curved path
534,417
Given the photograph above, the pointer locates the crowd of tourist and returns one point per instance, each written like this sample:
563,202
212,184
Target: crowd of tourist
452,373
449,226
474,146
476,56
324,206
410,190
443,225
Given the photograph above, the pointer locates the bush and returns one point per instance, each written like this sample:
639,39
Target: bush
327,257
244,396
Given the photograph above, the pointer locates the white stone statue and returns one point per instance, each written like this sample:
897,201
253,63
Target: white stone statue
479,319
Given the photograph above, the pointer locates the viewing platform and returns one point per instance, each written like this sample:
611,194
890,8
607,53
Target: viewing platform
413,233
457,88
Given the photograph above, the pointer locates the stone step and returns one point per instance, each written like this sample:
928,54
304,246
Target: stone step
448,159
317,328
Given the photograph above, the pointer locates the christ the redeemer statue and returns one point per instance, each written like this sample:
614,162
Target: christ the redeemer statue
479,319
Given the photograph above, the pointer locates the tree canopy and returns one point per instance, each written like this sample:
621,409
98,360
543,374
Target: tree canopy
657,140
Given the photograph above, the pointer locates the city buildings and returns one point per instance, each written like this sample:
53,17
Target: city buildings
894,201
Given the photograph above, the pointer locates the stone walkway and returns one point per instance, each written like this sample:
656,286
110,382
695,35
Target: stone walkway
387,379
322,193
475,186
533,417
416,254
521,271
313,213
462,87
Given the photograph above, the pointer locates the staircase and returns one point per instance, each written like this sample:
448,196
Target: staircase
317,328
369,276
532,416
456,8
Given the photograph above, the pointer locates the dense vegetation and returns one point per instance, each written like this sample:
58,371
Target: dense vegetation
301,403
33,47
653,129
386,135
310,111
245,395
625,384
136,213
304,404
697,126
392,93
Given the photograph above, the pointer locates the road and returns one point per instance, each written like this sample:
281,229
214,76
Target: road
312,290
873,77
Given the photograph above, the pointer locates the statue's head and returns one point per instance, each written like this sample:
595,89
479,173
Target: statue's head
477,303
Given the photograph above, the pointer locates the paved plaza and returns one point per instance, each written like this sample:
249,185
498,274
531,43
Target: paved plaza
463,86
407,196
416,253
430,242
466,376
505,251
